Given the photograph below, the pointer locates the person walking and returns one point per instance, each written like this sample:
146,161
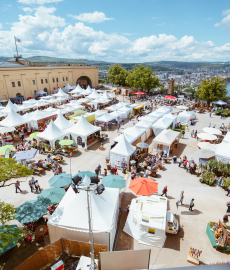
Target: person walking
192,134
31,186
37,186
21,134
118,127
180,161
164,191
228,190
191,205
99,169
183,132
40,148
147,173
17,186
181,197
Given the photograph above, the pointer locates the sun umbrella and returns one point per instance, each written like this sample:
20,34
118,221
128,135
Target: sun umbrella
30,211
207,136
24,155
113,181
142,145
181,107
5,147
54,195
220,102
204,153
170,97
207,145
143,186
34,135
60,180
5,230
66,142
140,93
214,131
84,173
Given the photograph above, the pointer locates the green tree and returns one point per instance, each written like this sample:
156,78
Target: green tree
9,168
8,234
117,75
212,90
142,77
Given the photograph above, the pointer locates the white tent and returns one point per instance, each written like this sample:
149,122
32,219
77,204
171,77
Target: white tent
214,131
10,106
41,92
70,219
149,118
114,107
227,137
117,114
207,145
52,100
25,106
67,88
173,117
52,133
184,117
206,136
165,139
223,152
106,95
135,131
146,221
156,114
89,88
36,116
161,124
106,118
121,153
61,94
82,129
6,129
49,109
98,114
125,110
78,89
144,124
164,110
29,101
13,119
94,95
40,103
129,138
62,123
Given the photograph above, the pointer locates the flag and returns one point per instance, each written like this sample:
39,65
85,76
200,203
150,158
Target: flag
17,40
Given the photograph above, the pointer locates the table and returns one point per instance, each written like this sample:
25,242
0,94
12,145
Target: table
40,230
38,169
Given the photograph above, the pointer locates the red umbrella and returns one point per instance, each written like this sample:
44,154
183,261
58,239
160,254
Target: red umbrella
170,97
143,186
140,93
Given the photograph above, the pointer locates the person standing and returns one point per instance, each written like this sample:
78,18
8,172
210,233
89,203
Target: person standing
228,190
31,186
118,127
97,171
99,168
183,132
191,205
21,134
192,134
17,186
181,197
37,186
164,191
147,173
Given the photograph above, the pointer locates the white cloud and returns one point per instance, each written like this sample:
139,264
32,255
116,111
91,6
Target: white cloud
161,24
0,25
42,30
38,2
27,9
95,17
127,34
225,22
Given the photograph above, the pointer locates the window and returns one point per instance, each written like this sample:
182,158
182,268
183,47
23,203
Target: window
13,84
41,81
63,79
33,82
56,79
66,78
53,80
19,84
46,80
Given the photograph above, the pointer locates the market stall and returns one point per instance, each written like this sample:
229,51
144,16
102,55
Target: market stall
185,117
160,125
156,114
62,123
139,134
223,152
125,111
149,118
10,106
67,88
163,110
13,119
166,140
172,117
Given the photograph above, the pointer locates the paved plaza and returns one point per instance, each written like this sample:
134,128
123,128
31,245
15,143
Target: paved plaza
210,202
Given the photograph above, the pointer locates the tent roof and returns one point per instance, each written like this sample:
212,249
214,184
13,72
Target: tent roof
106,95
123,147
103,210
94,95
170,116
186,113
117,113
162,123
38,115
10,106
67,87
128,137
106,117
134,131
223,149
166,137
156,114
62,123
52,132
144,124
149,118
78,89
13,119
163,109
83,127
227,137
61,93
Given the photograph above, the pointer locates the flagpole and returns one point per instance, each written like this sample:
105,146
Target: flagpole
16,46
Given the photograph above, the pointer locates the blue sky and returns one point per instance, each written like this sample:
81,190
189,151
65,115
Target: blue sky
118,31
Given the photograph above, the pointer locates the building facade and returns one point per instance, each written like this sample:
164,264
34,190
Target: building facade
18,79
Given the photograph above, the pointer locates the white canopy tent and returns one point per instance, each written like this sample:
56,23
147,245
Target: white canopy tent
227,137
135,132
152,232
125,110
160,125
156,114
67,88
93,95
52,133
82,129
71,222
223,152
163,110
98,114
207,145
118,114
106,118
10,106
78,89
144,124
121,153
41,92
184,117
206,136
13,119
214,131
129,138
62,123
106,95
61,94
173,117
164,140
114,107
149,118
6,129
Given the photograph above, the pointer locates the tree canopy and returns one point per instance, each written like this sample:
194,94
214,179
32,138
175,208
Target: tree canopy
142,77
9,168
212,90
117,75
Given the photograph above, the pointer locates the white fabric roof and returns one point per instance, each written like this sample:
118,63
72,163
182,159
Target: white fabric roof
13,119
186,114
98,114
134,131
223,152
106,95
144,124
94,95
170,116
67,87
78,89
103,207
25,106
156,114
10,106
207,145
83,127
162,123
106,117
61,93
49,109
117,113
53,100
83,100
166,137
89,88
227,137
163,110
211,130
149,118
123,147
206,136
52,132
6,129
38,115
40,103
62,123
32,100
128,137
125,109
